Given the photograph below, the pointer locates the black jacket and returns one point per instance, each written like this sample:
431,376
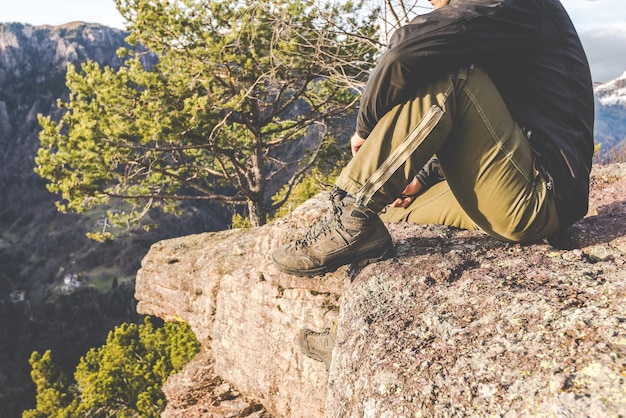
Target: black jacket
534,56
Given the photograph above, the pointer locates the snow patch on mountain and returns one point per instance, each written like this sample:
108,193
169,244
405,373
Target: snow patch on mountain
613,92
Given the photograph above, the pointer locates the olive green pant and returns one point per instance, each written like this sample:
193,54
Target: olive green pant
492,179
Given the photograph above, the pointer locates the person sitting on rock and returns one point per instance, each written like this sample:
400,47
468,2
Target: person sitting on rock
500,92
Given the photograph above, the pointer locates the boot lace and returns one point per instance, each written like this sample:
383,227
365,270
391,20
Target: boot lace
327,224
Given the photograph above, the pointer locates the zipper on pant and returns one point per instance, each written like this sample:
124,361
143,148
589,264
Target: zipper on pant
399,156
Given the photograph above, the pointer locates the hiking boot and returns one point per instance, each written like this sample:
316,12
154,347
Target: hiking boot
350,234
318,345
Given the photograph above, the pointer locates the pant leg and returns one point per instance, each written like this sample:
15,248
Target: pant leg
487,160
392,130
436,205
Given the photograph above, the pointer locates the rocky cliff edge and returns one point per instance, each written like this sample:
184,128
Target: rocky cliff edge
457,324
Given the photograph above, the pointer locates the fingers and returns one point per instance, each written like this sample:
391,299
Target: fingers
355,143
402,201
413,188
408,195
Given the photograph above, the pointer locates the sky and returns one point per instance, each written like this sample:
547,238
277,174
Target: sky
601,24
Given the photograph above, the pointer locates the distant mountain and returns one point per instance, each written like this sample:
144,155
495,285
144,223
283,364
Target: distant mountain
610,127
612,93
33,63
40,248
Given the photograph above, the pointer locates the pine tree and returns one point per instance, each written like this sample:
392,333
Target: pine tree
54,398
123,378
242,93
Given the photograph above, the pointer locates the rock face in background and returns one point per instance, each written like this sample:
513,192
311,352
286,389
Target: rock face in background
456,324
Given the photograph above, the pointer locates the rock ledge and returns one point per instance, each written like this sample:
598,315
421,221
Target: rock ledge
457,324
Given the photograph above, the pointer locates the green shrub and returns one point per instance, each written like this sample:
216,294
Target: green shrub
123,378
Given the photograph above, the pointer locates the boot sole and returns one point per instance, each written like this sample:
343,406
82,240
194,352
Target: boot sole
319,271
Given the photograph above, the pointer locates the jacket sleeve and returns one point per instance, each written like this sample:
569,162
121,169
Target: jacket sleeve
433,44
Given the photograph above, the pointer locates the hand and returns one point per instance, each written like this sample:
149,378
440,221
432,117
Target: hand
356,142
408,194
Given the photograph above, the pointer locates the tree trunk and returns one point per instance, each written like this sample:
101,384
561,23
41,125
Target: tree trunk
256,209
257,213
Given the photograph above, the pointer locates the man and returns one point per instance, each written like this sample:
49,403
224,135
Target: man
501,92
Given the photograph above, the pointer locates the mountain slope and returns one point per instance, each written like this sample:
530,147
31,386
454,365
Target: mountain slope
40,247
610,129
